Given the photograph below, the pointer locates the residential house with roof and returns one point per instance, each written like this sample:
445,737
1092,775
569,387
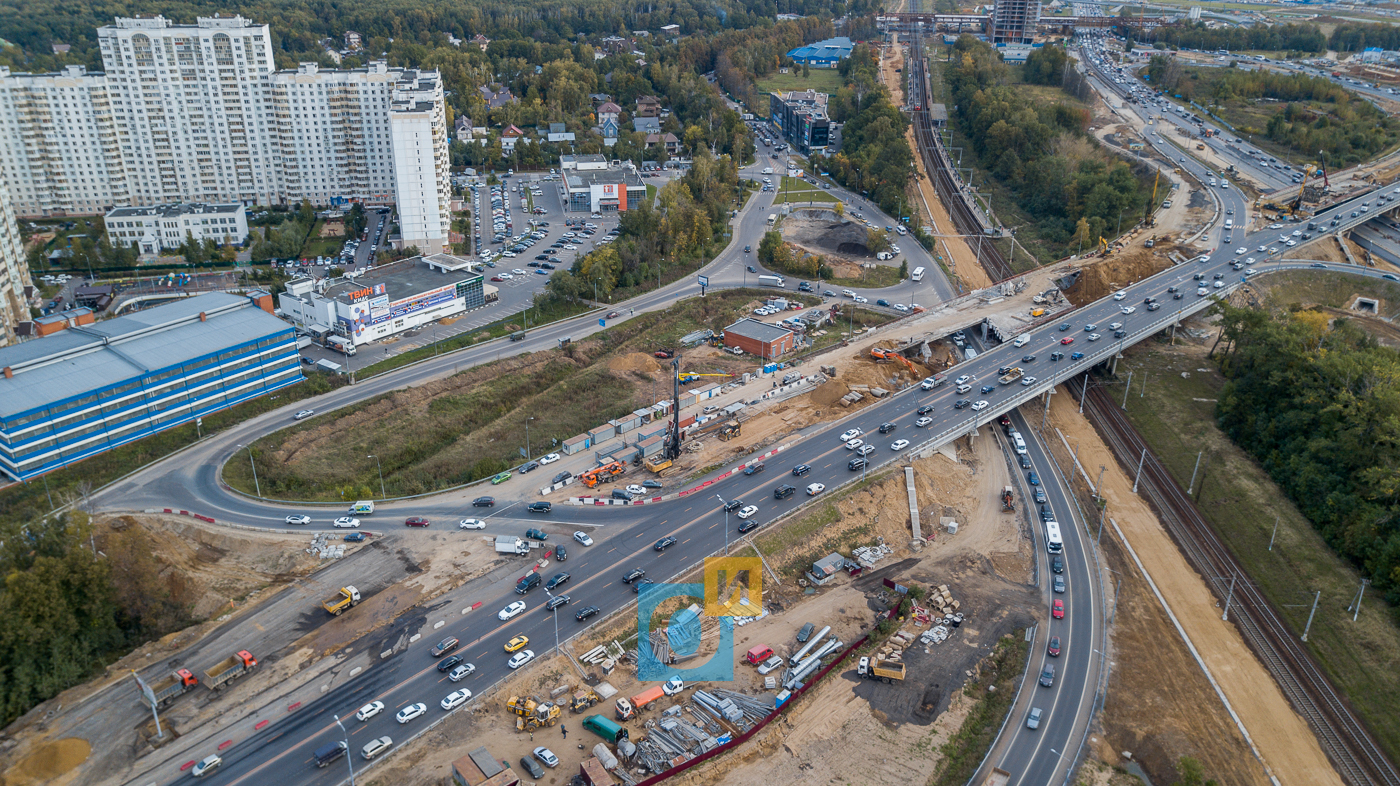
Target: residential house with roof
646,125
648,106
496,96
510,137
668,140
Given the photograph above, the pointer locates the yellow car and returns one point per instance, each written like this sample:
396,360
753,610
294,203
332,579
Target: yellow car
516,643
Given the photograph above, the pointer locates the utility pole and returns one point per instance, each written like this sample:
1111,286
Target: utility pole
1308,626
1046,413
1084,393
1138,477
1192,484
1356,607
1127,388
254,465
1271,537
382,495
1098,485
1228,597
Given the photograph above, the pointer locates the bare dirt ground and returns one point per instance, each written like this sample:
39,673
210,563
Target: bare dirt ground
1287,746
820,232
1101,277
899,729
957,256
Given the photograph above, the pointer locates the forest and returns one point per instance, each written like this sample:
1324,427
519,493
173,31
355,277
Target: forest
1356,36
1069,190
1300,38
1317,402
1317,114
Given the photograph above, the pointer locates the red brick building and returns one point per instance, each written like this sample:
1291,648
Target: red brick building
759,338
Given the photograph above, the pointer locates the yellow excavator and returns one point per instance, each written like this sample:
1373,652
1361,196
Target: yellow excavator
531,713
879,354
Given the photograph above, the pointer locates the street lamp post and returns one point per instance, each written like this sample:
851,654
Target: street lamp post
254,465
726,523
382,495
527,438
350,760
555,613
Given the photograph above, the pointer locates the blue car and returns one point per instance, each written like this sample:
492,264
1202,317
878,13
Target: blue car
355,537
1077,356
1033,478
1065,326
883,302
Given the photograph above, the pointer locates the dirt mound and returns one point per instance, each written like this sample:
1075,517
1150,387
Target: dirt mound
634,362
821,232
49,761
1102,277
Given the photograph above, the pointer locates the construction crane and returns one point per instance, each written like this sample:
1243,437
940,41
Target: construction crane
673,449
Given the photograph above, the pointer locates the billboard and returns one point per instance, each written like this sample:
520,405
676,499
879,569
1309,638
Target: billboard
423,301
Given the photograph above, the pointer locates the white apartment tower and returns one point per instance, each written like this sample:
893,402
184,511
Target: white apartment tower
418,129
14,272
190,107
58,143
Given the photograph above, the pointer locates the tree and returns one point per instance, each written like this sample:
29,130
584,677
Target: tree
839,209
904,269
306,214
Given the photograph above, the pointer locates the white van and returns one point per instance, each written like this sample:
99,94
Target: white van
1022,340
1229,223
917,275
1019,443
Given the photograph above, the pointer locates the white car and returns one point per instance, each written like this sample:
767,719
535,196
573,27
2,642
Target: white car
513,610
410,712
1094,337
851,434
546,757
1292,243
1129,309
979,405
582,537
1249,271
506,276
636,490
521,658
369,711
520,271
673,686
206,765
462,672
855,443
866,449
305,413
1218,284
550,459
346,522
862,299
375,747
456,699
1263,249
1114,325
899,444
1241,251
901,308
962,380
1119,295
471,524
847,293
923,422
815,488
298,519
747,511
1249,261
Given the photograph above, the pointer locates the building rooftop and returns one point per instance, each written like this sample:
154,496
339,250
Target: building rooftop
407,277
171,211
938,112
92,357
757,330
831,48
592,177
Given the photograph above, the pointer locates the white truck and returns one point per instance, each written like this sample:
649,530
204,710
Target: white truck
341,344
509,544
772,281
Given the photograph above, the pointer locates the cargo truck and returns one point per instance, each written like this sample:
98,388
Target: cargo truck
509,544
997,777
341,344
627,708
344,598
363,507
230,669
887,670
1011,376
772,281
170,686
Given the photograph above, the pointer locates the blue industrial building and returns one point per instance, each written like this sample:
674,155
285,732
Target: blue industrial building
823,54
89,388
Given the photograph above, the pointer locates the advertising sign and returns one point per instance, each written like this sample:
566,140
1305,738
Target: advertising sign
426,300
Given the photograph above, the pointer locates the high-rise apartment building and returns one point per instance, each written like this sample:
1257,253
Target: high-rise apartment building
196,114
1015,21
14,273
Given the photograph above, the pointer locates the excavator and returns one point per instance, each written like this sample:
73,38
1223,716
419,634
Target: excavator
880,354
531,713
603,474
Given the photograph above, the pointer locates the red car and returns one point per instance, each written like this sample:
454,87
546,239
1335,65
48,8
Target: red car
419,521
497,278
1066,341
1057,609
1054,649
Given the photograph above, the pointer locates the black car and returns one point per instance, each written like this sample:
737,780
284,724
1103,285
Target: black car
563,476
800,470
752,269
1057,563
753,469
651,484
782,492
530,467
1047,677
988,388
632,575
886,428
1028,359
540,507
557,580
532,767
925,409
536,534
1004,370
1059,583
664,543
1055,356
1178,296
555,602
484,502
962,402
747,526
1025,460
733,504
855,464
560,553
1149,300
449,663
586,612
641,585
1173,289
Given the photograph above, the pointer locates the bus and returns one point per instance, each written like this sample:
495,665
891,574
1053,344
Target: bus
1053,543
918,274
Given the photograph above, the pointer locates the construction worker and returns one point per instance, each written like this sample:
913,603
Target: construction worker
564,730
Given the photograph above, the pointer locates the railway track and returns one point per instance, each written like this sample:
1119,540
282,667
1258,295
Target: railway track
966,221
1342,735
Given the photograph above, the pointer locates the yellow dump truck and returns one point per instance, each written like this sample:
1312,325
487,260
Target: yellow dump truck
344,598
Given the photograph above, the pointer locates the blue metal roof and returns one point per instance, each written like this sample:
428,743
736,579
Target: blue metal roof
831,49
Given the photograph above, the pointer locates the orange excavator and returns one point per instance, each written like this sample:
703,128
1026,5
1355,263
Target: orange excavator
880,354
603,474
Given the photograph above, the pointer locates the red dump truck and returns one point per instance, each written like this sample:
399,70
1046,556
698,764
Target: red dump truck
170,686
230,669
